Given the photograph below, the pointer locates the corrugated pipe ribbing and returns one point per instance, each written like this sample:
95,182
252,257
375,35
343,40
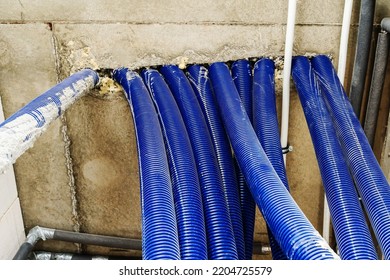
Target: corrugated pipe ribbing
265,123
242,76
294,233
186,186
198,77
351,231
19,131
369,178
159,230
220,236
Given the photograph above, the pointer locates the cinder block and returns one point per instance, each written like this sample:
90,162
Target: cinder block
106,165
10,11
178,11
27,69
175,11
308,40
27,65
11,231
135,46
114,45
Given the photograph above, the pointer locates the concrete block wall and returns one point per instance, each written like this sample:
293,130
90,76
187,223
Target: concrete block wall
82,174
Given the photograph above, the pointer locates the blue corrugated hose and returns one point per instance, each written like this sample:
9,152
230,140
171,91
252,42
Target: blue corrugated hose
242,77
369,178
220,236
186,186
351,231
198,77
265,123
294,233
159,230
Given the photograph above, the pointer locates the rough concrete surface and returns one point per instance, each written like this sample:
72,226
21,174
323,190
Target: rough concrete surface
28,69
220,11
135,46
95,187
106,169
105,165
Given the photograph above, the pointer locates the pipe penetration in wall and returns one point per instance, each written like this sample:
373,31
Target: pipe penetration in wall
242,77
192,125
292,230
186,186
218,220
265,123
200,82
293,233
208,98
160,238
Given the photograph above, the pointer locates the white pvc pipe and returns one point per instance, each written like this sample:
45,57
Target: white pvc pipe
326,221
288,50
341,74
344,40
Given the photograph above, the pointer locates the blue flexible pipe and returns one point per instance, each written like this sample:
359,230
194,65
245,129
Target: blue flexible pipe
369,178
265,123
200,82
265,118
242,77
220,236
351,230
159,230
186,186
241,72
294,233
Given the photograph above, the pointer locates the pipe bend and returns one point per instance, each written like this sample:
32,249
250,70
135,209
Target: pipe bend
200,82
241,71
217,217
157,204
182,165
265,123
39,233
369,178
385,24
293,231
350,228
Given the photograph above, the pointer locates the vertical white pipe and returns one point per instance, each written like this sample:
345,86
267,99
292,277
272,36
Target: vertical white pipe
326,221
341,74
288,49
344,40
